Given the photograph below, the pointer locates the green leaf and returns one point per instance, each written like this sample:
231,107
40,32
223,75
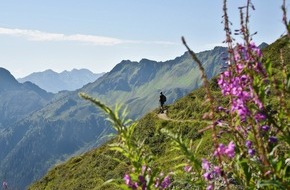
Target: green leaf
270,183
288,82
268,66
246,170
279,165
197,147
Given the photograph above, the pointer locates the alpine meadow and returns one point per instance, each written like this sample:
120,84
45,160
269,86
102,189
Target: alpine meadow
225,123
231,133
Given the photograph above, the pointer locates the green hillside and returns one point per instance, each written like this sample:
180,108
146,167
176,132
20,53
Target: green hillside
69,125
186,117
134,83
92,169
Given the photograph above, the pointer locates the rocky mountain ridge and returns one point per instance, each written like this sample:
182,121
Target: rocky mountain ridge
52,81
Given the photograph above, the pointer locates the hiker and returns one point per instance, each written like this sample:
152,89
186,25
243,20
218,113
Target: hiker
162,100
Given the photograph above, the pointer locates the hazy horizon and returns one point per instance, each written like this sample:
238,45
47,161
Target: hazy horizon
97,35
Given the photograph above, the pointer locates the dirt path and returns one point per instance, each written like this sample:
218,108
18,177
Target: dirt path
164,116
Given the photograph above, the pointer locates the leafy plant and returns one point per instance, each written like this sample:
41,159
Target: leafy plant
255,151
231,134
251,159
142,174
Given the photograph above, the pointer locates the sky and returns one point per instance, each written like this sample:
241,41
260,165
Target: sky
98,34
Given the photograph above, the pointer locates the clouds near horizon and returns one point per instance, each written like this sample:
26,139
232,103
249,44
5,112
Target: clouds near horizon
36,35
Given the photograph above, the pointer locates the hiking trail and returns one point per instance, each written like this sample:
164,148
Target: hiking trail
164,116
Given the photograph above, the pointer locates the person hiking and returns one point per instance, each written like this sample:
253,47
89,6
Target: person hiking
162,100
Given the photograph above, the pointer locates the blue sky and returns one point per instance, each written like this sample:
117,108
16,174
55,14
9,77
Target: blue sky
98,34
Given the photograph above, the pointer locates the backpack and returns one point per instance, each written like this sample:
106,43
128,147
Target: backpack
164,98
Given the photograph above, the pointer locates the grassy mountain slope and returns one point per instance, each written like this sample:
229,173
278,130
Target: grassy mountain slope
133,83
69,125
92,169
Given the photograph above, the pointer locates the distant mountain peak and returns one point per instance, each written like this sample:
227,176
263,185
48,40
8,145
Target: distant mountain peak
52,81
263,45
48,70
219,47
126,61
7,80
145,60
5,74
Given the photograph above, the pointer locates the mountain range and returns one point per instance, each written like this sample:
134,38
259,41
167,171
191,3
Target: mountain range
52,81
19,100
66,125
94,169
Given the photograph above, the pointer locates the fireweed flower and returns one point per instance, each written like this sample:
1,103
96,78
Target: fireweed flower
259,104
211,172
259,117
166,182
245,83
142,179
210,187
220,108
129,182
157,183
248,144
251,152
241,109
238,84
187,168
208,176
265,128
230,150
273,139
218,123
127,179
217,170
205,164
220,150
134,185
